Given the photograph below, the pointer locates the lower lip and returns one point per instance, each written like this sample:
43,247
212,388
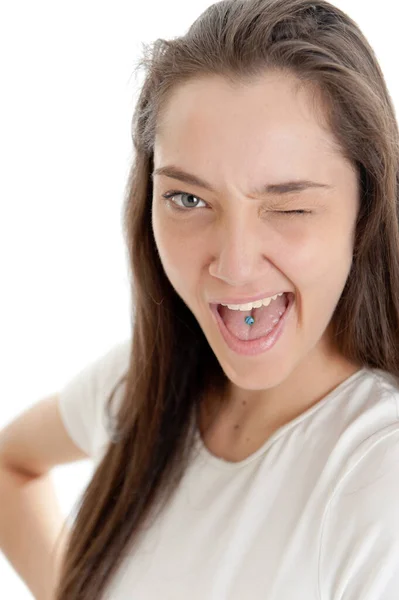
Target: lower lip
252,347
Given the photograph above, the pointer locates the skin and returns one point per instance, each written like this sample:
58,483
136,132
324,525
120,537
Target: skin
230,242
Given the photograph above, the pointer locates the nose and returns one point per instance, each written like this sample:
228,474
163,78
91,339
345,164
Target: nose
240,253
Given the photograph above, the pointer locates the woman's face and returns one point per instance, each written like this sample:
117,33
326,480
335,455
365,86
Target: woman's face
225,241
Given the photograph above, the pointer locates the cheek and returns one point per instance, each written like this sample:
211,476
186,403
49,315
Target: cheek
319,262
180,257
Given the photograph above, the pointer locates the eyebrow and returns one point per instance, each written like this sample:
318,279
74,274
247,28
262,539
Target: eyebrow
271,188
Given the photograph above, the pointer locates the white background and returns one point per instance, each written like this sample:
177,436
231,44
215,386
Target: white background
66,102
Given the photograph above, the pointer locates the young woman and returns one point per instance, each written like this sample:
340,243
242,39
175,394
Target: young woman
246,437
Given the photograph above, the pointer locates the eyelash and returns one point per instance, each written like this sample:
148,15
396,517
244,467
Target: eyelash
170,196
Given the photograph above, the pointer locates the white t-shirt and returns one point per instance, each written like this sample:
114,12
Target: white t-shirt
312,515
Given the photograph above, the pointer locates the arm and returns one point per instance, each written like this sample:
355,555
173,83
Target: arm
359,545
32,532
30,522
63,428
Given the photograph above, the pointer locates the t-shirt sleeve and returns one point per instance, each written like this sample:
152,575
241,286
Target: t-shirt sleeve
359,551
82,401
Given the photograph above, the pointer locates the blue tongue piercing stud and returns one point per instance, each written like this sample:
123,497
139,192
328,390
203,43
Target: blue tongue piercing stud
249,320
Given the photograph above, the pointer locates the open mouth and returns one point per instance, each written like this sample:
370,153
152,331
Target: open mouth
255,323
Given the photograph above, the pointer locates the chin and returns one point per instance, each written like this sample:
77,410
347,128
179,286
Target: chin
255,377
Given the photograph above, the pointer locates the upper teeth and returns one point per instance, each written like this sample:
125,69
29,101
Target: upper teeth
251,305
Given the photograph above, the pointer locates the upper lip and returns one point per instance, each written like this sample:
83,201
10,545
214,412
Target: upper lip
245,300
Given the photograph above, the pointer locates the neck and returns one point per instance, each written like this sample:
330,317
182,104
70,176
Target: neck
245,412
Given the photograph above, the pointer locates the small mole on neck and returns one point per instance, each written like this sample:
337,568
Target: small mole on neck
244,401
236,426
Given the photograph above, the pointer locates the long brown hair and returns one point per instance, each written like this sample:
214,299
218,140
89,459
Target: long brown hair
171,364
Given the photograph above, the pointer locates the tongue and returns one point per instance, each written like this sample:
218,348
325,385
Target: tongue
266,318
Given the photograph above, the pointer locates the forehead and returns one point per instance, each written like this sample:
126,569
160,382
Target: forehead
267,121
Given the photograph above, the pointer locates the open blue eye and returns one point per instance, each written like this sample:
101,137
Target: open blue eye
170,196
